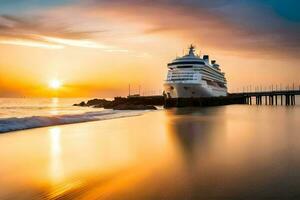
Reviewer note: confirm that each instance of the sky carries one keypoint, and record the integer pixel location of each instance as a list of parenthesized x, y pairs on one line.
[(96, 48)]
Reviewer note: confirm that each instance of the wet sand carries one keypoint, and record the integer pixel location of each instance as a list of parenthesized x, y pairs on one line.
[(227, 152)]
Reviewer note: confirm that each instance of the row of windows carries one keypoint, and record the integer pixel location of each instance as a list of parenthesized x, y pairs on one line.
[(178, 73), (217, 70), (186, 62), (213, 78), (217, 84), (182, 72), (208, 70), (213, 75), (181, 75), (182, 79), (179, 78), (193, 74)]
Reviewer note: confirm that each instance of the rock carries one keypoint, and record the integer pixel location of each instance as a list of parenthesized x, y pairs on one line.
[(80, 104), (121, 103), (109, 105), (133, 107), (97, 102)]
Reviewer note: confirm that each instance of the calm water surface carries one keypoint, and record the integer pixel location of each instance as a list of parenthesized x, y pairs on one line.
[(228, 152)]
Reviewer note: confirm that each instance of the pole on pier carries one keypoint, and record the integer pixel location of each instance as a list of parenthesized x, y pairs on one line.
[(129, 90), (140, 90), (250, 98), (293, 86), (276, 100), (293, 99), (281, 100)]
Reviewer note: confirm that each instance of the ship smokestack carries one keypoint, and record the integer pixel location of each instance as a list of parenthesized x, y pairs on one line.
[(206, 58)]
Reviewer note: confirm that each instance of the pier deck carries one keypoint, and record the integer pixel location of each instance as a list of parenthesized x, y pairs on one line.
[(284, 97), (279, 97)]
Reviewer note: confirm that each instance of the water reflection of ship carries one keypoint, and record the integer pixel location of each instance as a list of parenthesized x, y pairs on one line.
[(193, 131)]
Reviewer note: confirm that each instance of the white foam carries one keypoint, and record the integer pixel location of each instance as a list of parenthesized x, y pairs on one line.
[(14, 124)]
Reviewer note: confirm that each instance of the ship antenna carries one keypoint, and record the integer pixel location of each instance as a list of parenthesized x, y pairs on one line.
[(192, 49)]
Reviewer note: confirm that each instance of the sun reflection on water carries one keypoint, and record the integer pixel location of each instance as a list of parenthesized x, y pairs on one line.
[(54, 106), (56, 170)]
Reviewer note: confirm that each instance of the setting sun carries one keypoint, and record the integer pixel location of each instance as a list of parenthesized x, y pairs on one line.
[(55, 84)]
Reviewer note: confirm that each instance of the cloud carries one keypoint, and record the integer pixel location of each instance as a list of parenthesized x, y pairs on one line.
[(29, 43), (76, 43), (246, 26), (41, 33)]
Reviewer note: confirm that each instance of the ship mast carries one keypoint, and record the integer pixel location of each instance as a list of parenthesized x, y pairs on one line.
[(192, 50)]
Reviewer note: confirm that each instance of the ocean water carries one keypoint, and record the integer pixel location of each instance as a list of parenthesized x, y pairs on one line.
[(27, 107), (26, 113), (225, 152)]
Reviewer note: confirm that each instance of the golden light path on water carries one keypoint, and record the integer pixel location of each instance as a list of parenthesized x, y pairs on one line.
[(56, 165), (221, 152)]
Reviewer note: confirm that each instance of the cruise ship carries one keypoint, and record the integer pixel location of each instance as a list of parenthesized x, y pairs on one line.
[(191, 76)]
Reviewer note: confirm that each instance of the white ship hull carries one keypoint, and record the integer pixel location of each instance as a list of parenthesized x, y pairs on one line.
[(192, 90)]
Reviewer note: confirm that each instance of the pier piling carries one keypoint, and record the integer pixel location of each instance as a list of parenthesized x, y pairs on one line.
[(266, 100)]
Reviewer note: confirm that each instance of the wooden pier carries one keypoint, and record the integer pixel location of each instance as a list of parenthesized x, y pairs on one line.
[(286, 97), (282, 97)]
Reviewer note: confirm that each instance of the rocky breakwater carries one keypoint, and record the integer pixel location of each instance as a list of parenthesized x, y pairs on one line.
[(121, 103)]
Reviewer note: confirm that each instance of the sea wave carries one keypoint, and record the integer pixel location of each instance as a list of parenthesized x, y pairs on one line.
[(14, 123)]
